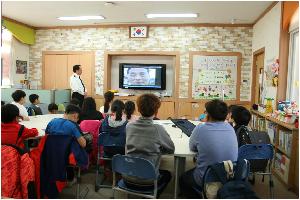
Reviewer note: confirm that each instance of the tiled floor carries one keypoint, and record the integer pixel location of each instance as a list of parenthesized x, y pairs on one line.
[(88, 184)]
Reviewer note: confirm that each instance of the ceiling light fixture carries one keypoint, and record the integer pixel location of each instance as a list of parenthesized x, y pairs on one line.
[(78, 18), (171, 15), (108, 4)]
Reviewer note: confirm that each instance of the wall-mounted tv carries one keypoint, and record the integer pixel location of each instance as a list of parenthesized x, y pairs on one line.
[(142, 76)]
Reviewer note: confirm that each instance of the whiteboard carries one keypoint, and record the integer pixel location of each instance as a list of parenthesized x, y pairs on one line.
[(212, 74)]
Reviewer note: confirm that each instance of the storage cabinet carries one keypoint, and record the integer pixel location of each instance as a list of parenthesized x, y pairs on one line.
[(58, 67), (284, 137), (190, 110), (166, 110)]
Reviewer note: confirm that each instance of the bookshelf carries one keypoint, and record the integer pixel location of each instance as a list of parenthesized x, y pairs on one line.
[(284, 137)]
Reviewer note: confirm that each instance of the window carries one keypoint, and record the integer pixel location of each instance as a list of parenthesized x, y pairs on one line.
[(6, 59), (293, 71)]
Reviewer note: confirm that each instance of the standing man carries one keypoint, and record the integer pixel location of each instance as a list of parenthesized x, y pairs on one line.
[(77, 86)]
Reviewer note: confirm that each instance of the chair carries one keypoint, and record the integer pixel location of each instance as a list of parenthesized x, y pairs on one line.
[(55, 160), (105, 140), (210, 176), (259, 152), (92, 126), (136, 167)]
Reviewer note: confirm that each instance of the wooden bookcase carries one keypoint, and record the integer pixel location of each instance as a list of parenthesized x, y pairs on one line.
[(286, 148)]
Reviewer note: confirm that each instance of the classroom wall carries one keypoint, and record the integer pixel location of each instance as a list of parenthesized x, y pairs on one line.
[(20, 51), (266, 33), (182, 39)]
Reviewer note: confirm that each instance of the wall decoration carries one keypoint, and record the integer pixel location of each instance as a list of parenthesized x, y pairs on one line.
[(21, 67), (138, 31), (214, 75)]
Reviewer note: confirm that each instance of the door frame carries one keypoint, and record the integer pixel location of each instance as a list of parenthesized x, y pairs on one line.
[(254, 70)]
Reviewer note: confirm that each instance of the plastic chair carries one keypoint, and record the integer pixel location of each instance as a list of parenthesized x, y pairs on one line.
[(259, 152), (105, 140), (92, 126), (210, 176), (136, 167)]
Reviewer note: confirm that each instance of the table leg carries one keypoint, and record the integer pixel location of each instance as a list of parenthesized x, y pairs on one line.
[(179, 167)]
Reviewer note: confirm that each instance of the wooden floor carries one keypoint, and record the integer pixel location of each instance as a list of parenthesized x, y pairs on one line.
[(88, 185)]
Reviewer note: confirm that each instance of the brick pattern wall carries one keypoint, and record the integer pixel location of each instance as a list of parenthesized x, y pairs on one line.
[(182, 39)]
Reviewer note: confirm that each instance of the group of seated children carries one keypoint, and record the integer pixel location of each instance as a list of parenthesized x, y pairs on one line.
[(214, 141)]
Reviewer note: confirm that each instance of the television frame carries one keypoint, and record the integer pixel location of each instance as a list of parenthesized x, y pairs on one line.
[(163, 76)]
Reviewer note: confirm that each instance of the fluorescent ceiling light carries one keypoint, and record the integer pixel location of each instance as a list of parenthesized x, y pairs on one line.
[(81, 18), (170, 15)]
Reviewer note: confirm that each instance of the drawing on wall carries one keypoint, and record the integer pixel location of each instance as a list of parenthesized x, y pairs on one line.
[(212, 75), (21, 67)]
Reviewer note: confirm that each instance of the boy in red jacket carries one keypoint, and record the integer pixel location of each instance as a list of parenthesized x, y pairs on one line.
[(10, 127)]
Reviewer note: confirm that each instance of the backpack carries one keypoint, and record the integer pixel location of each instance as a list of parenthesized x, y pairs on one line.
[(245, 136), (30, 111), (17, 173), (229, 181)]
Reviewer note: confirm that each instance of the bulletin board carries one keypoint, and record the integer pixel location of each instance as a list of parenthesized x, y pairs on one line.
[(214, 74)]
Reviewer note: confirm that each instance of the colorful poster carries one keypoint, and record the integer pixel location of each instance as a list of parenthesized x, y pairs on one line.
[(212, 75)]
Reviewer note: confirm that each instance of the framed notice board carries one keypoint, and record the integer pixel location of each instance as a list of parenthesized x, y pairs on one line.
[(214, 74)]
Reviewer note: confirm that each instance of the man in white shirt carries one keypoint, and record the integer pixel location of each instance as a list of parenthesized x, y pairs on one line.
[(19, 100), (77, 86)]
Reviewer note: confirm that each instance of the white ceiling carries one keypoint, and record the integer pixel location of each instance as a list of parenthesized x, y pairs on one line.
[(44, 13)]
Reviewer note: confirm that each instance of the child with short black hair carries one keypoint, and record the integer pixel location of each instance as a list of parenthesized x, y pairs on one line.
[(52, 108), (19, 100), (34, 100), (10, 127), (241, 118)]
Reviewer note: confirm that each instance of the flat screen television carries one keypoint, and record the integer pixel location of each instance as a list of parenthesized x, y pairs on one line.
[(142, 76)]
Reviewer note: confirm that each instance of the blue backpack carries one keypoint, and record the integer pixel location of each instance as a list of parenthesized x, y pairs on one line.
[(30, 111), (234, 183)]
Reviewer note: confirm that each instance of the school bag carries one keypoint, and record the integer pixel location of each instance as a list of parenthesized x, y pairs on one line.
[(229, 181), (245, 136), (17, 173), (30, 111)]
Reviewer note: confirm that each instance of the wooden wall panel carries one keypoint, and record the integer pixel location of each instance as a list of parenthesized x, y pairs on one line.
[(61, 72), (86, 62), (72, 60), (49, 72)]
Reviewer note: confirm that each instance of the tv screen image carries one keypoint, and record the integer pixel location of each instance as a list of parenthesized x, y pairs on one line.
[(142, 76)]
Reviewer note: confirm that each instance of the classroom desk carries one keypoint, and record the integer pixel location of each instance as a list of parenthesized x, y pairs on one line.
[(182, 150), (180, 140), (40, 122)]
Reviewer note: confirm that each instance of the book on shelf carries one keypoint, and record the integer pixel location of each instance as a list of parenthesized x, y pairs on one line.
[(282, 164), (271, 130), (285, 141), (258, 123)]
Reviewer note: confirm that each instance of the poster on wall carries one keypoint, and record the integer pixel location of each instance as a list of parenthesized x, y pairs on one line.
[(21, 67), (214, 76)]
